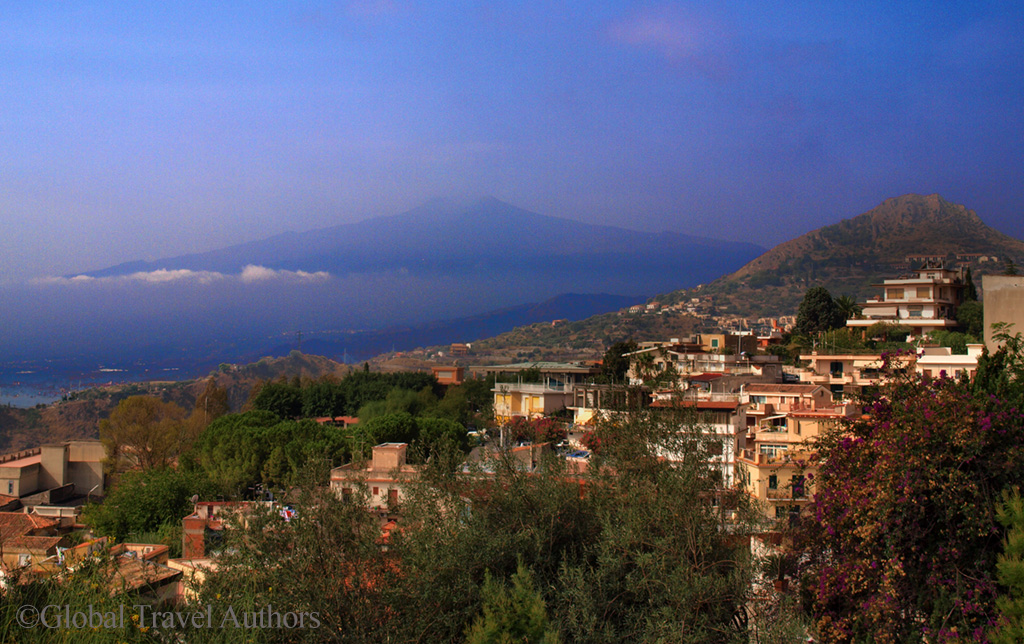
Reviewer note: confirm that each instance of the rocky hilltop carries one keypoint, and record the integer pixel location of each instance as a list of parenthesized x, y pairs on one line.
[(852, 255)]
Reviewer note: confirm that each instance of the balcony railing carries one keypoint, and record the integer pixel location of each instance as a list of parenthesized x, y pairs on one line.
[(787, 495)]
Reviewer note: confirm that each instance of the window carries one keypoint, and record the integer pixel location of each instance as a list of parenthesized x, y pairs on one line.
[(915, 310), (346, 494), (773, 482), (376, 490), (894, 294), (10, 487), (836, 369), (772, 450), (714, 343), (393, 497), (759, 400), (924, 292)]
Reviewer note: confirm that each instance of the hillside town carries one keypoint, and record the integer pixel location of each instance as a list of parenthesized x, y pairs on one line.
[(754, 414)]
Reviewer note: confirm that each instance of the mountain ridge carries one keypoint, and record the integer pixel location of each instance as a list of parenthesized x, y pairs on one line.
[(849, 258), (444, 238)]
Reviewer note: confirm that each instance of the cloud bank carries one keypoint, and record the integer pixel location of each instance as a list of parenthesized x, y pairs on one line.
[(250, 274)]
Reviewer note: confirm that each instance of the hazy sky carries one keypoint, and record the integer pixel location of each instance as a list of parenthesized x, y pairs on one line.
[(141, 130)]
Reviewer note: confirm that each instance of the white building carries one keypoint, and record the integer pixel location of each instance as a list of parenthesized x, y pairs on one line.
[(924, 301)]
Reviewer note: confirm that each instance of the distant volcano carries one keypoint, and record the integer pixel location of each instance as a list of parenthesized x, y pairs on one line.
[(482, 236)]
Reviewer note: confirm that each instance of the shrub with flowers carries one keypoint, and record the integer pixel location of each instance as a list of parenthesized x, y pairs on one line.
[(905, 513)]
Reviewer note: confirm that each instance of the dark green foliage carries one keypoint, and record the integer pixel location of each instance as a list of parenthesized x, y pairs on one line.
[(362, 387), (92, 588), (515, 614), (280, 398), (326, 562), (323, 398), (887, 332), (239, 451), (399, 427), (818, 312), (848, 307), (1011, 571), (327, 397), (1001, 374), (435, 433), (145, 501), (642, 555), (614, 366), (970, 293), (970, 316), (427, 435), (953, 339)]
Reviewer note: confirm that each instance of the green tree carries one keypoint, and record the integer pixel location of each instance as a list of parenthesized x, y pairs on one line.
[(512, 615), (848, 307), (970, 290), (970, 317), (1011, 571), (146, 501), (143, 431), (239, 451), (399, 427), (818, 312), (323, 398), (280, 398), (615, 363)]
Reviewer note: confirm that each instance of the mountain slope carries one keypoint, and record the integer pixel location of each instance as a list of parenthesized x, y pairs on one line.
[(898, 228), (850, 257), (361, 345), (482, 236)]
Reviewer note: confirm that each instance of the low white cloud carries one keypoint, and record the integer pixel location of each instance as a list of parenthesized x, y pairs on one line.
[(252, 273), (164, 275)]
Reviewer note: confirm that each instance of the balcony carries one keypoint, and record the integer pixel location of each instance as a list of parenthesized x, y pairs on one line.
[(787, 495)]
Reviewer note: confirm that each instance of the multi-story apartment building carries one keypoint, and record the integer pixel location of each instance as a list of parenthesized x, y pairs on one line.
[(923, 301), (847, 375)]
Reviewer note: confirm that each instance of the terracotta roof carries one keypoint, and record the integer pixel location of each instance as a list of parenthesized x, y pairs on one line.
[(16, 524), (132, 573), (706, 377), (30, 543), (704, 405)]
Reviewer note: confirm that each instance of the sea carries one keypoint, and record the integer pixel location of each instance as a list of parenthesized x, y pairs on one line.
[(28, 384)]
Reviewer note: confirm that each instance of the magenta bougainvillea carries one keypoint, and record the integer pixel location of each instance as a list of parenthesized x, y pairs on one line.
[(538, 430), (905, 514)]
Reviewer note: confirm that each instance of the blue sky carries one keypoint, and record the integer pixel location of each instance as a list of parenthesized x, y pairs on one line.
[(158, 129)]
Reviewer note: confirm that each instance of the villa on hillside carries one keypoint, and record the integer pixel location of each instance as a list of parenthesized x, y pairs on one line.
[(924, 301)]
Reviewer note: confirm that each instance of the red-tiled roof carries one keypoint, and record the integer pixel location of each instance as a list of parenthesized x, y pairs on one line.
[(700, 405), (706, 377), (32, 544), (16, 524)]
